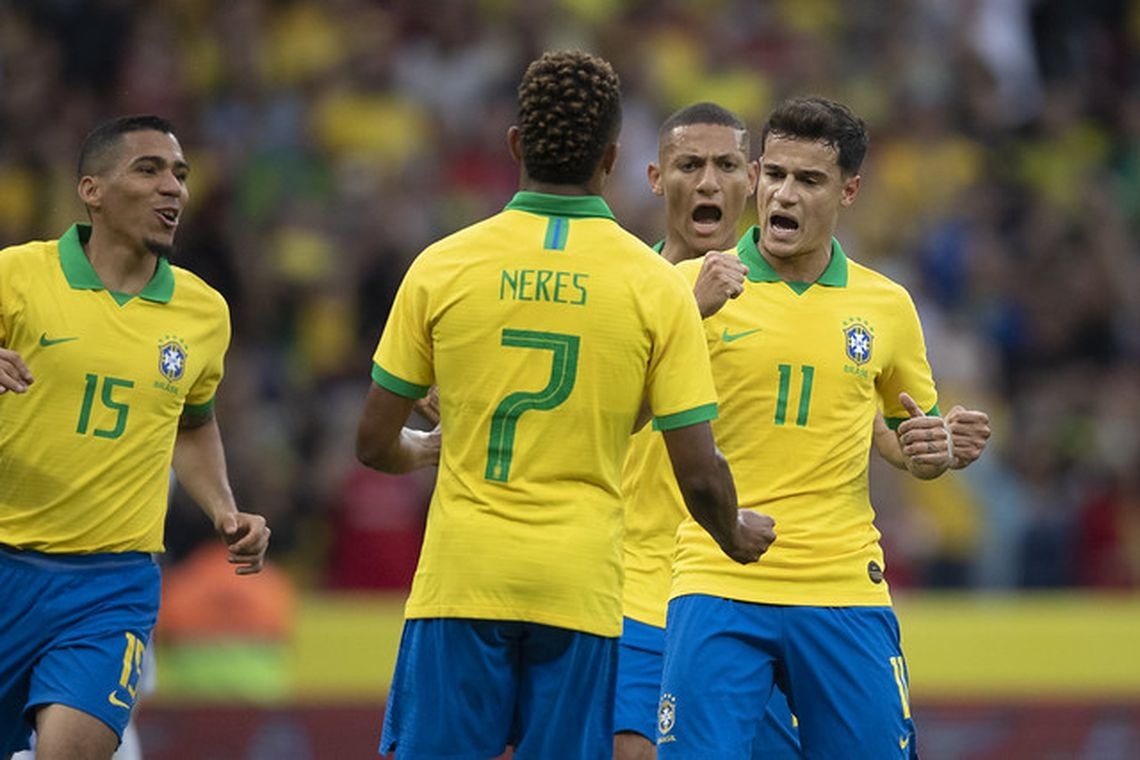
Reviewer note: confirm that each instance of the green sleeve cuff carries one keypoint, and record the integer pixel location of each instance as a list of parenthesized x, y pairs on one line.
[(198, 410), (388, 381), (706, 413), (894, 422)]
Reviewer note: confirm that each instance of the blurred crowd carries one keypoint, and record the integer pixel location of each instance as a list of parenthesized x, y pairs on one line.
[(331, 140)]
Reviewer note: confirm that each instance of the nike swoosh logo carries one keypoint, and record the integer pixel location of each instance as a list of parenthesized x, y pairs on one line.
[(728, 337), (46, 341), (113, 698), (903, 742)]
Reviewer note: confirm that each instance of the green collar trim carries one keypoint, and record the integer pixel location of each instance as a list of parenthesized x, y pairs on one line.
[(759, 270), (659, 246), (571, 206), (82, 276)]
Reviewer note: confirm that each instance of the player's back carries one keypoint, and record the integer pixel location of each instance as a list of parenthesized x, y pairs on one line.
[(548, 323)]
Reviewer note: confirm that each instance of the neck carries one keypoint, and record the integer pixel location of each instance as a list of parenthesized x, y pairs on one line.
[(121, 268), (676, 249), (553, 188), (805, 267)]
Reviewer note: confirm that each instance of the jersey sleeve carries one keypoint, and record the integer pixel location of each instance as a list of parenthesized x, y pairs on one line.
[(679, 383), (402, 362), (201, 395), (908, 369)]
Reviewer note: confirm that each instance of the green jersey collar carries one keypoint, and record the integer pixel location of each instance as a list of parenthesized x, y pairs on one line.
[(759, 270), (570, 206), (81, 275), (660, 246)]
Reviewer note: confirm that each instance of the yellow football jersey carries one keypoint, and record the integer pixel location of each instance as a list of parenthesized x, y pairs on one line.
[(800, 371), (544, 326), (654, 508), (85, 454)]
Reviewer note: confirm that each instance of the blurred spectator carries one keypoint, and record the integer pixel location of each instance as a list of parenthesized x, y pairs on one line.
[(220, 637), (331, 139)]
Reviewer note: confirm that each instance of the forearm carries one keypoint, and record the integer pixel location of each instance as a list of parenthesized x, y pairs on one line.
[(384, 443), (200, 466), (711, 500), (405, 453), (705, 481)]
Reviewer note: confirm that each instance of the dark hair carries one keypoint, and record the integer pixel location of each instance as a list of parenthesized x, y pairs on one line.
[(817, 118), (99, 145), (569, 112), (701, 113)]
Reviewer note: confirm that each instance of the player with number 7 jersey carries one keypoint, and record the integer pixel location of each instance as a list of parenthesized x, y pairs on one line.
[(544, 327)]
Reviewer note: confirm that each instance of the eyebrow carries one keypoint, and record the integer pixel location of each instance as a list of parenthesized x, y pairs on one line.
[(802, 173), (179, 164)]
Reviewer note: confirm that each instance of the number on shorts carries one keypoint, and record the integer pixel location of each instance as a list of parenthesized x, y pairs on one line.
[(899, 667)]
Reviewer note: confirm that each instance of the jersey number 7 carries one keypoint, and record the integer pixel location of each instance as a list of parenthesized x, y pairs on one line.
[(563, 373)]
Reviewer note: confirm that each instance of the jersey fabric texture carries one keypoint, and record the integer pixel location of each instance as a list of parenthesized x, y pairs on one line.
[(543, 326), (85, 454), (654, 508), (801, 371), (548, 692), (83, 622)]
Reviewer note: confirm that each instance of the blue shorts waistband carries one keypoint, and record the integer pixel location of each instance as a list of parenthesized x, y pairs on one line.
[(95, 561)]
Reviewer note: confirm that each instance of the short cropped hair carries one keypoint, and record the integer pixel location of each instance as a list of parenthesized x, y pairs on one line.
[(96, 153), (820, 119), (569, 112), (701, 113)]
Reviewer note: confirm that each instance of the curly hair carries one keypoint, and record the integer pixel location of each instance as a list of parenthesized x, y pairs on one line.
[(569, 112), (817, 118)]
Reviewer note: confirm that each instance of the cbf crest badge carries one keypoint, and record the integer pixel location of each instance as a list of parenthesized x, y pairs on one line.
[(858, 340), (666, 716), (171, 358)]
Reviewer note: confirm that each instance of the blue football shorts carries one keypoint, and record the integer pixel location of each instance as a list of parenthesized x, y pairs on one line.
[(641, 656), (465, 689), (841, 667), (73, 630)]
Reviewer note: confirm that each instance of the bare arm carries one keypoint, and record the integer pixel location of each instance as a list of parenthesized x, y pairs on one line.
[(200, 465), (886, 443), (382, 441), (710, 494)]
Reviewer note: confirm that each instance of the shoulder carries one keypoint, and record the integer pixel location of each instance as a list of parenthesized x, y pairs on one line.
[(192, 288), (30, 254), (865, 278)]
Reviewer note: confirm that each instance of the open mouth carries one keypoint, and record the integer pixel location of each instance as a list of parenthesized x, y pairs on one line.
[(706, 218), (783, 223), (169, 215)]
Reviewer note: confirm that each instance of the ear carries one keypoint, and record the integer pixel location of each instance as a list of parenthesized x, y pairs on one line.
[(90, 191), (609, 158), (850, 190), (654, 174), (514, 142), (753, 175)]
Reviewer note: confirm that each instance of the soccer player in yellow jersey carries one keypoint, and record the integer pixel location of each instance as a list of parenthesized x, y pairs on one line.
[(705, 175), (544, 327), (109, 361), (803, 359)]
